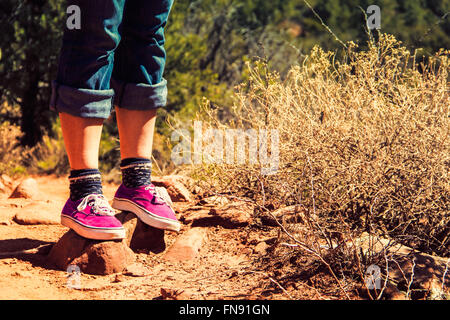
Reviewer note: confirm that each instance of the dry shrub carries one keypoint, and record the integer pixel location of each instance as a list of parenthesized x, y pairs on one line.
[(364, 143), (9, 148)]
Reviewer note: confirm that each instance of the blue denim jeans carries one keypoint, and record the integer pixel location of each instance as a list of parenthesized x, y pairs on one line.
[(115, 58)]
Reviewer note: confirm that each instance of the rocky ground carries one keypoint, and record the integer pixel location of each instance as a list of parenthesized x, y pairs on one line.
[(213, 257)]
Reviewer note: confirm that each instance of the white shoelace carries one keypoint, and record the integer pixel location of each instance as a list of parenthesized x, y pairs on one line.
[(98, 203), (163, 196)]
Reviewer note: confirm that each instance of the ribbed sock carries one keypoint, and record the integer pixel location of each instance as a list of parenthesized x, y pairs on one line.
[(84, 182), (136, 172)]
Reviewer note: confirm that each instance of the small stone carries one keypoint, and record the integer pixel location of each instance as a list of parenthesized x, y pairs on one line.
[(261, 248), (27, 189)]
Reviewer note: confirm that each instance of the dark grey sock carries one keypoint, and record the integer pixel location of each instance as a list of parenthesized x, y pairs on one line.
[(84, 182), (136, 172)]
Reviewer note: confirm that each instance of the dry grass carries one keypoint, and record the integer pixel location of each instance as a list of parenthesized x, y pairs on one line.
[(364, 146), (48, 156)]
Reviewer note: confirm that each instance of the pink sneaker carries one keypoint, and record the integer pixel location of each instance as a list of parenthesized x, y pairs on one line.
[(92, 218), (148, 205)]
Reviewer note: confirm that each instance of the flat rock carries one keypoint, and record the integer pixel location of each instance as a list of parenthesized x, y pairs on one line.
[(187, 246), (91, 256), (231, 215), (37, 214), (197, 216), (235, 214), (141, 236), (27, 189)]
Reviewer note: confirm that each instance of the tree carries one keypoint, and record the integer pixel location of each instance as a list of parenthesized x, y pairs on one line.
[(30, 42)]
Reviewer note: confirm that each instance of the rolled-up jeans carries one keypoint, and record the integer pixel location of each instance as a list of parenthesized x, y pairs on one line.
[(115, 58)]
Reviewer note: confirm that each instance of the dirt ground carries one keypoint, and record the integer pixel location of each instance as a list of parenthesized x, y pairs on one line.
[(223, 269)]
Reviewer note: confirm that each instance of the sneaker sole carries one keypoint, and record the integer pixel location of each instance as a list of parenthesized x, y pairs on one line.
[(93, 233), (146, 216)]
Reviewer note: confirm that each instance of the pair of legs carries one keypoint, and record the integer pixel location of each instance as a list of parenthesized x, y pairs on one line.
[(82, 136)]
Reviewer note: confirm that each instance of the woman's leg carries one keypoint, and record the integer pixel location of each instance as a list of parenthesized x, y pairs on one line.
[(140, 90), (81, 93), (81, 139), (83, 98), (136, 132), (137, 76)]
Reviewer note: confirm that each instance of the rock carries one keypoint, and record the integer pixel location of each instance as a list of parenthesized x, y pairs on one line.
[(196, 215), (194, 186), (175, 187), (235, 214), (232, 215), (141, 236), (91, 256), (261, 248), (187, 246), (27, 189), (104, 258), (37, 214)]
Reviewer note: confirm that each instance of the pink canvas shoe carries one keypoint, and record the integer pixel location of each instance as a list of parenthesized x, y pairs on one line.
[(92, 218), (148, 205)]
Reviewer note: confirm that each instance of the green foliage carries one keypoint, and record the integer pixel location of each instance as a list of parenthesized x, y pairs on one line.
[(281, 31)]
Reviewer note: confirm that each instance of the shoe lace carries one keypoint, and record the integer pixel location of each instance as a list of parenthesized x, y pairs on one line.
[(98, 203), (161, 196)]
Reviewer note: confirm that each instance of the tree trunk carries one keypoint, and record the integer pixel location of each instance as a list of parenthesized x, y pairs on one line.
[(29, 123)]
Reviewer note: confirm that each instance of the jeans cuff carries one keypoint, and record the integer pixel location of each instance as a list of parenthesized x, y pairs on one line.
[(139, 96), (84, 103)]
